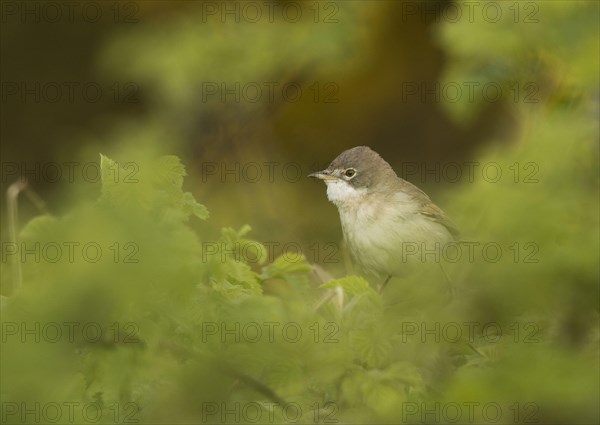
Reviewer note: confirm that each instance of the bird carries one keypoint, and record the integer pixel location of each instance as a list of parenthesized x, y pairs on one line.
[(388, 223)]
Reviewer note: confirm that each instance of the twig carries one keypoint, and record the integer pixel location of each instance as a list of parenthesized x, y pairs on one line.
[(12, 196)]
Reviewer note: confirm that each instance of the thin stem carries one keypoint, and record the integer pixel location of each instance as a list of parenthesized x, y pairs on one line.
[(12, 197)]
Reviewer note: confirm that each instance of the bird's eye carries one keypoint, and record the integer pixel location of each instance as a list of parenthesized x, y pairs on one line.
[(350, 172)]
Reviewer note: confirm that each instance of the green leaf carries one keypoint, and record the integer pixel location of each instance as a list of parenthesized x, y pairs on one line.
[(191, 206), (109, 171), (38, 226), (353, 285), (283, 267), (372, 346), (169, 171), (239, 247)]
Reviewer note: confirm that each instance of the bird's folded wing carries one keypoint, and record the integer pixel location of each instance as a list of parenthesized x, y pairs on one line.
[(435, 213), (432, 211)]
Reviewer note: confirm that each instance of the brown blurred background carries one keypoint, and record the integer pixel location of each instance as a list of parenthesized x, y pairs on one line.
[(359, 55)]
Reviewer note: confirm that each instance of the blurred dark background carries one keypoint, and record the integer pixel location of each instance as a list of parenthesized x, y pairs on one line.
[(154, 61)]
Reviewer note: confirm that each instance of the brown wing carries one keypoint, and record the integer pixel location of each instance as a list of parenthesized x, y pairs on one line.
[(436, 214), (430, 210)]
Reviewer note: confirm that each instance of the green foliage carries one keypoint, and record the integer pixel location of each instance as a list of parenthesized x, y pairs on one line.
[(163, 306), (532, 51), (209, 50)]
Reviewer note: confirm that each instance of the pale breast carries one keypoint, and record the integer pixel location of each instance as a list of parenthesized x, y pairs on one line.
[(377, 232)]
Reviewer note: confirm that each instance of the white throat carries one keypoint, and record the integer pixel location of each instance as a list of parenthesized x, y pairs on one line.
[(341, 192)]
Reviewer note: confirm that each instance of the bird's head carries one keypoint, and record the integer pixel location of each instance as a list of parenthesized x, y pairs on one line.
[(355, 174)]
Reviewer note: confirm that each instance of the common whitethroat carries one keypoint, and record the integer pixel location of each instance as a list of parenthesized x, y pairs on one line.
[(387, 222)]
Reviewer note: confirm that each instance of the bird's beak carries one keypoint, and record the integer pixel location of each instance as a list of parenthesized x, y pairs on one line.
[(323, 175)]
